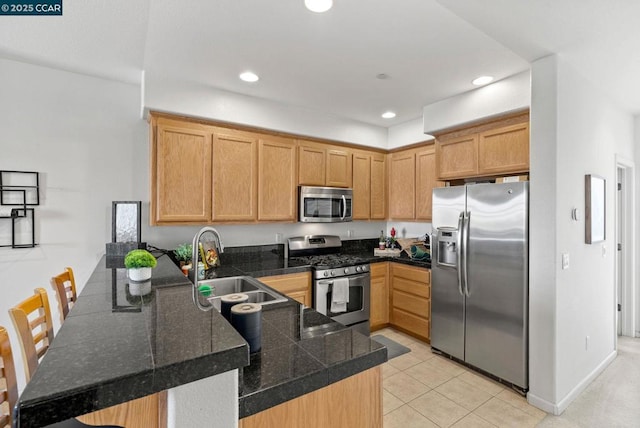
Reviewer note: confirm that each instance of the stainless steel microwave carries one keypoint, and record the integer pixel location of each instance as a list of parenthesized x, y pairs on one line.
[(325, 204)]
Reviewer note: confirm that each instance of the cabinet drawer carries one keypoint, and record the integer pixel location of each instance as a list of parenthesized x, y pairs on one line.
[(418, 326), (407, 302), (412, 287), (411, 273), (289, 283)]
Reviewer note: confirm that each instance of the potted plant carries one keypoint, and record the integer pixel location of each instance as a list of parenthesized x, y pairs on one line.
[(183, 254), (139, 264)]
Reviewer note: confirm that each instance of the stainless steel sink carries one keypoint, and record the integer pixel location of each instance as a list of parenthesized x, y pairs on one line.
[(257, 291), (233, 284)]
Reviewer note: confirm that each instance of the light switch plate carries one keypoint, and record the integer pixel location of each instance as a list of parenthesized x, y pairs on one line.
[(565, 260)]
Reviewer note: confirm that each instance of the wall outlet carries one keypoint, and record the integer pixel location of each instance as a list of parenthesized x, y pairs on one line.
[(565, 260), (604, 251), (350, 233), (278, 238), (586, 343)]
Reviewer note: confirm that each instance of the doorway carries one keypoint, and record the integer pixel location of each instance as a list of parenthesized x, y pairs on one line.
[(625, 249)]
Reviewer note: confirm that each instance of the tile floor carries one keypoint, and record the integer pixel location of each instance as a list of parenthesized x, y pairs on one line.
[(422, 389)]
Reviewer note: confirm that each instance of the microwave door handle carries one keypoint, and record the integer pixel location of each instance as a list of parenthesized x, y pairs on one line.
[(344, 207)]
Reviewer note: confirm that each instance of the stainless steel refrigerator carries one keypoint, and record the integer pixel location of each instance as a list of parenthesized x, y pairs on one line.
[(479, 296)]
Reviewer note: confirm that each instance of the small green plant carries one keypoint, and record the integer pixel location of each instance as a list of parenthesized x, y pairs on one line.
[(183, 252), (139, 259)]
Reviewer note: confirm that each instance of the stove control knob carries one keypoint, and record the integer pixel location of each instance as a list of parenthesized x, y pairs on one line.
[(333, 273), (326, 273), (358, 268), (346, 271)]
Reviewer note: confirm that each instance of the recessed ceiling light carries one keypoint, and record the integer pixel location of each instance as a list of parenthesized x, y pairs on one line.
[(383, 76), (249, 76), (388, 115), (318, 6), (482, 80)]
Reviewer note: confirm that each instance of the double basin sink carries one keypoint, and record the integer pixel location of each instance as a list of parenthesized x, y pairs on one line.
[(254, 289)]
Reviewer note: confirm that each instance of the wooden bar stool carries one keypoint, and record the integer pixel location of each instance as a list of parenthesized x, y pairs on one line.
[(35, 333), (8, 395), (32, 320), (65, 286)]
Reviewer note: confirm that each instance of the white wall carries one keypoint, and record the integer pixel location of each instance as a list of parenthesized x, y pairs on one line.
[(542, 232), (79, 133), (211, 103), (510, 94), (637, 237), (589, 131), (407, 133)]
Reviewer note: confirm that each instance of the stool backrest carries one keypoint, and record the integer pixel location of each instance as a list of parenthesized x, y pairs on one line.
[(32, 320), (65, 286), (8, 385)]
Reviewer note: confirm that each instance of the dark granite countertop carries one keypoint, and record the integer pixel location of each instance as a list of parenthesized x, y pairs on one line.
[(117, 345)]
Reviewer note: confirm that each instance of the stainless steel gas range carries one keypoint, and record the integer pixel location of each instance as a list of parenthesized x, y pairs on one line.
[(341, 282)]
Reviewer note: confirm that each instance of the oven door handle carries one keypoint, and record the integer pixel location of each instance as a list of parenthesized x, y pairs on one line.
[(344, 207)]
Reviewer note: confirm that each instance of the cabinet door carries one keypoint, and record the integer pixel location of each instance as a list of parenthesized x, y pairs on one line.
[(504, 149), (378, 186), (235, 170), (361, 186), (457, 157), (180, 173), (425, 182), (296, 286), (379, 295), (402, 188), (277, 179), (338, 168), (311, 164)]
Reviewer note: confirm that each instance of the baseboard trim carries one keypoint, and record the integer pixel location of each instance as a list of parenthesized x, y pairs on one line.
[(562, 405)]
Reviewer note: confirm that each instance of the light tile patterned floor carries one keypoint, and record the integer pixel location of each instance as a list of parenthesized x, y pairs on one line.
[(422, 389)]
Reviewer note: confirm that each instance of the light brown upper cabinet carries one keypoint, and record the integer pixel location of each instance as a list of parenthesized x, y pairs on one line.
[(457, 157), (425, 181), (412, 177), (503, 150), (276, 179), (204, 174), (402, 185), (498, 147), (235, 172), (180, 172), (369, 190), (323, 165)]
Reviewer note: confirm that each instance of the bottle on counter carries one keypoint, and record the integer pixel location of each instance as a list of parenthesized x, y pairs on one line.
[(382, 242)]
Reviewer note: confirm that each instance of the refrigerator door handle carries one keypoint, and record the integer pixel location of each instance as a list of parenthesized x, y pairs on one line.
[(460, 253), (465, 246)]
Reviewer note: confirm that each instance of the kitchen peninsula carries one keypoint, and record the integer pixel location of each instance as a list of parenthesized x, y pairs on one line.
[(120, 343)]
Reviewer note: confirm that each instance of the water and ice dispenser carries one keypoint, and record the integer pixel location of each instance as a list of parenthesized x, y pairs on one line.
[(447, 251)]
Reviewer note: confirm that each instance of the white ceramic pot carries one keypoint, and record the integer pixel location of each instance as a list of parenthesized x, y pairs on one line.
[(140, 288), (139, 274)]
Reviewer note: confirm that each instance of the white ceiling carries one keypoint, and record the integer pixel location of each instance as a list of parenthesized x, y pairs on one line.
[(328, 62)]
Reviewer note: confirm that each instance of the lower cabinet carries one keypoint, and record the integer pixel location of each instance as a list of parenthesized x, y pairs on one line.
[(149, 411), (410, 299), (352, 402), (379, 317), (295, 285)]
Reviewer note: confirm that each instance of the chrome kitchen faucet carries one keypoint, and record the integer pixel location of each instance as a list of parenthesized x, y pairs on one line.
[(194, 258)]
